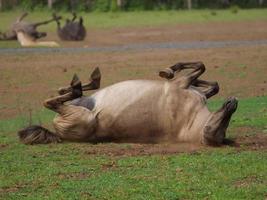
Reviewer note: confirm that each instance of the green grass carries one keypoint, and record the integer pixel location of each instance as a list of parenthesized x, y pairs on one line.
[(251, 112), (142, 18), (99, 20), (63, 172), (68, 171)]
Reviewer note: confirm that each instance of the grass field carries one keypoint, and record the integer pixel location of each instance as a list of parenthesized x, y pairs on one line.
[(143, 18), (138, 171)]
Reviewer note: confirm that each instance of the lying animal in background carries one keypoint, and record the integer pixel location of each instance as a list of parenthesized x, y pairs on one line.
[(26, 40), (143, 111), (28, 28), (72, 30)]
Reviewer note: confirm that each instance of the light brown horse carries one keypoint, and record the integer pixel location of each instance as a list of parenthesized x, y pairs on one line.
[(144, 111)]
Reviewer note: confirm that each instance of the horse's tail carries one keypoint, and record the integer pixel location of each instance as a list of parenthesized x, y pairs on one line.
[(37, 135)]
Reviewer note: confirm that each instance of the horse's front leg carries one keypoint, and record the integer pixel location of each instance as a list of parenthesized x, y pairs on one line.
[(57, 102), (215, 128)]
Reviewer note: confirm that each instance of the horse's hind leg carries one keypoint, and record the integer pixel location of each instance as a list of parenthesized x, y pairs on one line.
[(215, 128), (169, 72), (93, 84), (190, 77), (56, 102), (208, 88)]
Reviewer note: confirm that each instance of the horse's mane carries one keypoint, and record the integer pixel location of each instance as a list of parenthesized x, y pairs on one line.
[(37, 135)]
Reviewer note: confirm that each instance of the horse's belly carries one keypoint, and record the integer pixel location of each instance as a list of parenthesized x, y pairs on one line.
[(131, 115), (133, 124)]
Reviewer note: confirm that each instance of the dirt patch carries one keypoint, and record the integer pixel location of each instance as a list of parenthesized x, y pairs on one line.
[(254, 142), (3, 146), (246, 182), (127, 150), (4, 190), (109, 166), (25, 86), (241, 143), (213, 31)]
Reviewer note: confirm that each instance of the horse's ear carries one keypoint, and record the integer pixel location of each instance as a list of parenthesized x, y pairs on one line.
[(96, 75)]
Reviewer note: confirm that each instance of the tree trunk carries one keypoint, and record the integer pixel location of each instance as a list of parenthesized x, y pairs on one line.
[(119, 3), (189, 4), (50, 4), (261, 2), (1, 5), (73, 4)]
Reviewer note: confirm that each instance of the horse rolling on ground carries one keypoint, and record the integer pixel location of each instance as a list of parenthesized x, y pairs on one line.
[(144, 111), (72, 30), (26, 27)]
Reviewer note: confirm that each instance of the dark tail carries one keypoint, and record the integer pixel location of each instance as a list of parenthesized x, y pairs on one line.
[(37, 135)]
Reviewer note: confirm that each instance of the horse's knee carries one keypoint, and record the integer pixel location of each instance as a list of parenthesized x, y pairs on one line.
[(200, 66), (216, 87), (47, 104), (52, 105)]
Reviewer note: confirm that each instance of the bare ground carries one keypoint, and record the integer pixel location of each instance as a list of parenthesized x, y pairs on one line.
[(257, 142), (26, 80), (214, 31)]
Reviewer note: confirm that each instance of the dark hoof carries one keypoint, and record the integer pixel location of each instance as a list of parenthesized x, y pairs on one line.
[(96, 75), (166, 73), (231, 104), (75, 80), (76, 86)]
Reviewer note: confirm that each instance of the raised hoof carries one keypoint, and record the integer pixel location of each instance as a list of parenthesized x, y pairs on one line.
[(75, 80), (166, 73), (96, 75), (230, 105), (76, 86)]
